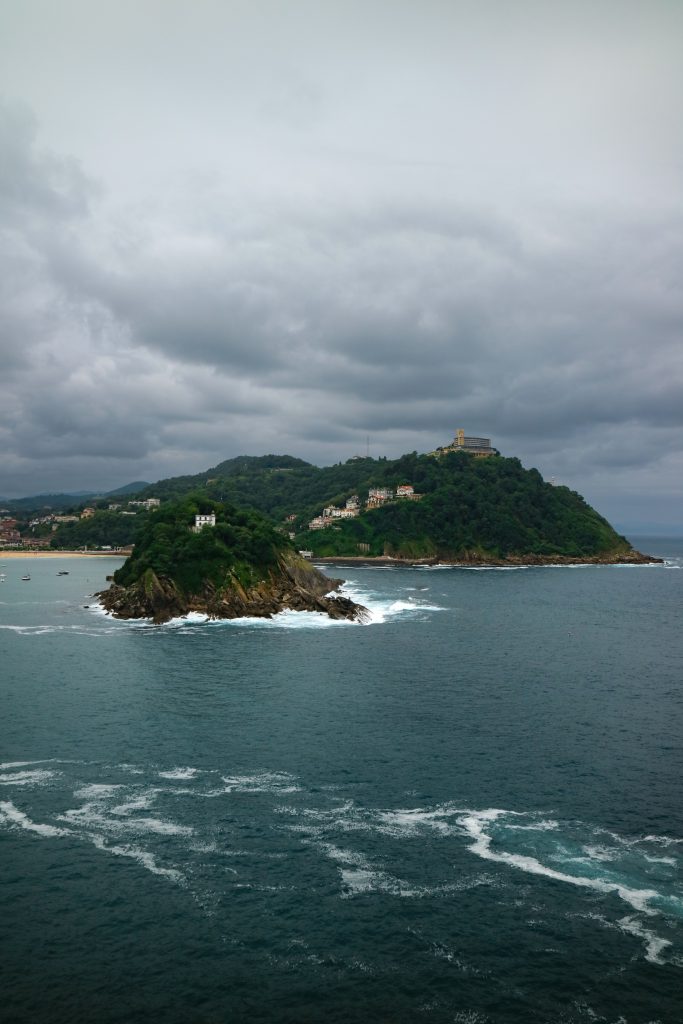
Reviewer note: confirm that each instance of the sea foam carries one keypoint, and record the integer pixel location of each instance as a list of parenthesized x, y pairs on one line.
[(16, 818), (34, 777), (474, 824)]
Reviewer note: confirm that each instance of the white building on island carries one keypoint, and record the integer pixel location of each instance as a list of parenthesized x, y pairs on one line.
[(200, 521)]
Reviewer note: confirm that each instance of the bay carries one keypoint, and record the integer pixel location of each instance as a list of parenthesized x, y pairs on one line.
[(468, 810)]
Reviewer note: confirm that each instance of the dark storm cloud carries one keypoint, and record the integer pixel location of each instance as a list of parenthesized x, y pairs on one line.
[(242, 329), (532, 336), (389, 225)]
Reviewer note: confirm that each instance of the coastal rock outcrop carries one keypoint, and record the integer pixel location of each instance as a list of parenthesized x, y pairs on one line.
[(293, 584)]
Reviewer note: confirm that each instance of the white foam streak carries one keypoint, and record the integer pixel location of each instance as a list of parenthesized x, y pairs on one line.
[(179, 773), (35, 777), (141, 802), (142, 857), (91, 815), (98, 791), (474, 824), (409, 822), (661, 860), (12, 816), (262, 782), (358, 876), (23, 764), (653, 943)]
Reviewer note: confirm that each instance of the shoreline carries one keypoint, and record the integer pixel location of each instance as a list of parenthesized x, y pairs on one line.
[(530, 561), (63, 554)]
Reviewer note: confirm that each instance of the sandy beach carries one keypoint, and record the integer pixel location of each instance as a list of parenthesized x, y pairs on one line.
[(63, 554)]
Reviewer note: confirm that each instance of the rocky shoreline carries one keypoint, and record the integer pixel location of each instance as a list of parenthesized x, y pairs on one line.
[(472, 562), (296, 585)]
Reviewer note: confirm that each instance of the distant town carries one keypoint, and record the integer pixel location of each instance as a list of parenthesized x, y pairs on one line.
[(42, 527)]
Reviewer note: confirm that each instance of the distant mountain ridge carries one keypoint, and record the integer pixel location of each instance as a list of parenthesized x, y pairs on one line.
[(134, 488), (69, 498)]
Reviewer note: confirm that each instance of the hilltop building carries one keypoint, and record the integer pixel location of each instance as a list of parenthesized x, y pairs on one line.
[(480, 447)]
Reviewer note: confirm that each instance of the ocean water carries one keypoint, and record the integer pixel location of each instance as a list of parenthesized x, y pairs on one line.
[(468, 810)]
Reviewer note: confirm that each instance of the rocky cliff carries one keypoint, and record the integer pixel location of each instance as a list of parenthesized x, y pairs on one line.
[(293, 584)]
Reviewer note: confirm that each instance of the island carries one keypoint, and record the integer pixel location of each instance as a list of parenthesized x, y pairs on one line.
[(460, 504), (220, 561)]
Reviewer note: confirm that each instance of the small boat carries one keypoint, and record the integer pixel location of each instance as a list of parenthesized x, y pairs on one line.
[(26, 577), (63, 572)]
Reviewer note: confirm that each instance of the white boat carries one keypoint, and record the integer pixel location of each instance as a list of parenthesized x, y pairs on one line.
[(26, 577)]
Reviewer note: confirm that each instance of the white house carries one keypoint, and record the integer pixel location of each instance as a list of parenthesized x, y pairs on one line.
[(200, 521), (378, 495)]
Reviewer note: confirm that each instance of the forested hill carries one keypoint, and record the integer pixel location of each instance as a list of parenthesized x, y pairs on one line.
[(242, 543), (238, 565), (473, 508), (233, 478)]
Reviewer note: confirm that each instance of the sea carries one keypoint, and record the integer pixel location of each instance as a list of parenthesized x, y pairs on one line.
[(468, 809)]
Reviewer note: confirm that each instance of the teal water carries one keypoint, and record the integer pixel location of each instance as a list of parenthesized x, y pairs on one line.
[(469, 810)]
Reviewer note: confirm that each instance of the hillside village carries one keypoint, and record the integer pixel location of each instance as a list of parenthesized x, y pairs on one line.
[(376, 496), (479, 447), (38, 532)]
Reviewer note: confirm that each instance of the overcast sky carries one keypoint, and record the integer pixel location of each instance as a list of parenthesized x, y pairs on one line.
[(248, 227)]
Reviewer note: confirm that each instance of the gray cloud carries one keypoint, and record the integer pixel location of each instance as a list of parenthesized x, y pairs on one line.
[(349, 260)]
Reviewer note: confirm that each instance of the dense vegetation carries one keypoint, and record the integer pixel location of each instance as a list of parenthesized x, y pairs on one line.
[(469, 508), (491, 506), (104, 529), (475, 507), (242, 544), (277, 485)]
